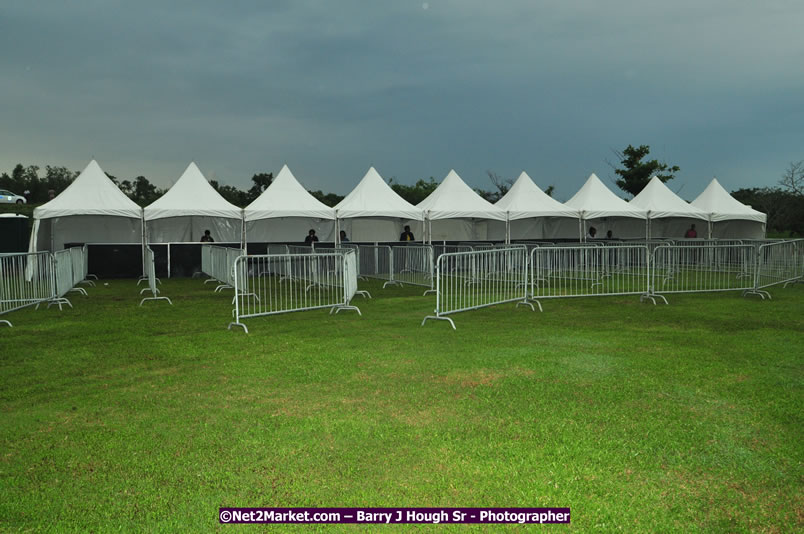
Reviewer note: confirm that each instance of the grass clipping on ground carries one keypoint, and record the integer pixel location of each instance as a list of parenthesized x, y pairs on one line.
[(637, 417)]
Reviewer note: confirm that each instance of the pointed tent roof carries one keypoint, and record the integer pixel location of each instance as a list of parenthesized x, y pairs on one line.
[(657, 199), (453, 199), (525, 200), (594, 200), (91, 193), (191, 195), (721, 206), (372, 197), (286, 197)]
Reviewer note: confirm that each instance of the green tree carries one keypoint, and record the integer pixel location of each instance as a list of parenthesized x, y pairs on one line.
[(330, 199), (261, 182), (230, 193), (636, 173), (414, 193), (785, 210)]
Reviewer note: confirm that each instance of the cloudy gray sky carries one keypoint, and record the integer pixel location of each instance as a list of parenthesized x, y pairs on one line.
[(414, 88)]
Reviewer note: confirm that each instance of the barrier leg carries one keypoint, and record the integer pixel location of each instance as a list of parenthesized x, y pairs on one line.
[(238, 324), (6, 322), (758, 292), (156, 298), (437, 318)]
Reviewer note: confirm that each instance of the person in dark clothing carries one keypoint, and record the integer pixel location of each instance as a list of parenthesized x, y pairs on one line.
[(344, 239), (407, 235), (311, 237), (691, 233), (207, 238)]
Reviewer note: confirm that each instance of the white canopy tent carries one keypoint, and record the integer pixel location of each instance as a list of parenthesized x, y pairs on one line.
[(668, 214), (189, 208), (532, 214), (374, 212), (604, 210), (459, 213), (286, 212), (91, 210), (729, 217)]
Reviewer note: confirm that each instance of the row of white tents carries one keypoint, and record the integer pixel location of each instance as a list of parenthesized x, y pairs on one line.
[(94, 210)]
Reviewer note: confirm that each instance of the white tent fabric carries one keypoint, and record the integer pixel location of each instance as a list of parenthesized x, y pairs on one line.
[(285, 212), (459, 213), (730, 217), (189, 208), (532, 213), (373, 211), (668, 214), (91, 210), (606, 211)]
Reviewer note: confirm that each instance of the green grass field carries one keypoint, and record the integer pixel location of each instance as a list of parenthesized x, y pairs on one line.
[(685, 417)]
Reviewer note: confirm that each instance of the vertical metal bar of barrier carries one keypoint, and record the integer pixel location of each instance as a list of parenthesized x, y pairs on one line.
[(150, 273)]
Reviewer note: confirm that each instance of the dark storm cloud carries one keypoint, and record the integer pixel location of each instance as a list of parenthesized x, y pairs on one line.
[(413, 88)]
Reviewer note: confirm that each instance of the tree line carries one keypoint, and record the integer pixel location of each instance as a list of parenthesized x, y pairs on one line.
[(783, 204), (39, 187)]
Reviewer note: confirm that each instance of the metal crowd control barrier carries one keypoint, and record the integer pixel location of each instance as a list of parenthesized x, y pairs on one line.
[(218, 263), (472, 280), (703, 268), (412, 264), (779, 263), (80, 260), (316, 280), (150, 273), (562, 272), (63, 277), (25, 280), (375, 261)]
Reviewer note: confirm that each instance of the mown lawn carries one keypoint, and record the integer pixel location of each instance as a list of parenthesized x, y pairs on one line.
[(685, 417)]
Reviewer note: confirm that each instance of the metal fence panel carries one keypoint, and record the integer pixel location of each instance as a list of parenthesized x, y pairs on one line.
[(779, 263), (413, 264), (561, 272), (703, 268), (307, 281), (150, 273), (25, 280), (472, 280)]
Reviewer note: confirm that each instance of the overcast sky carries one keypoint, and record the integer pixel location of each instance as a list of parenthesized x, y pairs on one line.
[(413, 88)]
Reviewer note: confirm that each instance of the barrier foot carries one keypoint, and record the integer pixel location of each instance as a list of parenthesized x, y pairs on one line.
[(796, 281), (93, 276), (652, 298), (208, 280), (237, 324), (141, 279), (156, 298), (6, 322), (437, 318), (759, 292), (539, 304), (143, 290), (525, 303), (391, 282), (80, 290), (222, 286), (429, 291), (363, 293), (338, 308), (59, 301), (88, 282)]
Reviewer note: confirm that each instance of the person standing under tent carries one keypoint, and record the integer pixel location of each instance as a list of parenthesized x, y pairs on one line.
[(311, 237), (344, 239), (691, 233), (592, 232), (207, 237), (407, 235)]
